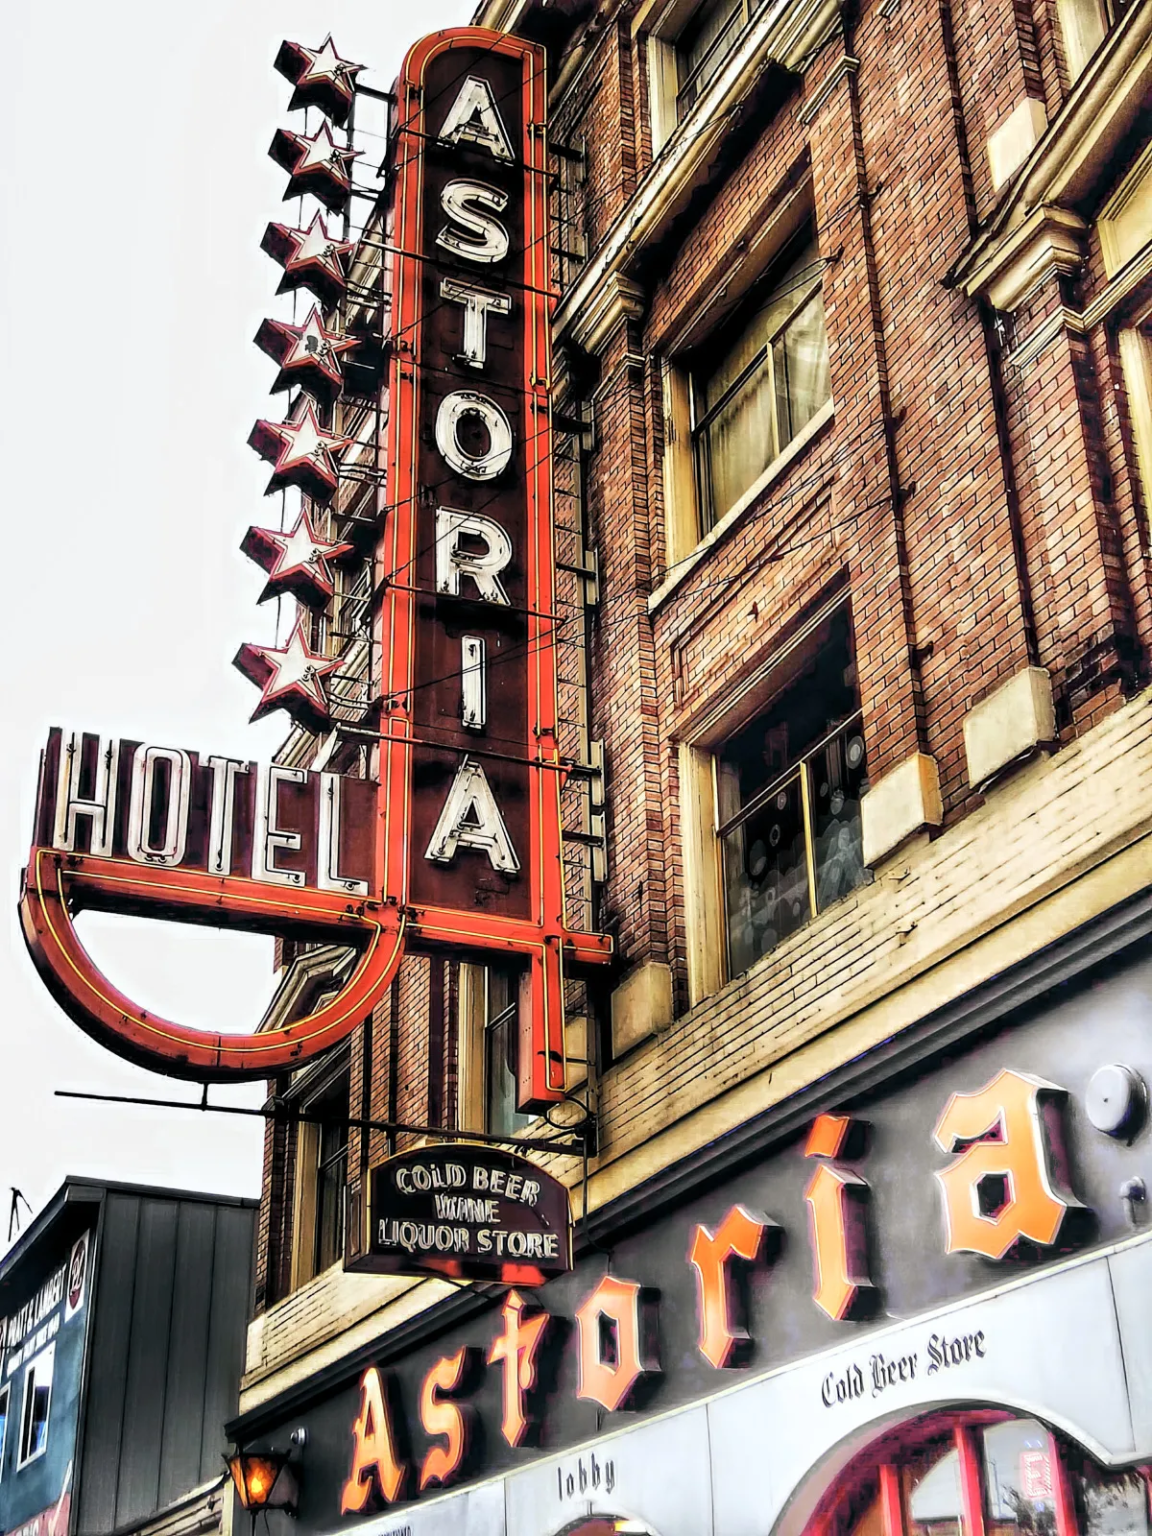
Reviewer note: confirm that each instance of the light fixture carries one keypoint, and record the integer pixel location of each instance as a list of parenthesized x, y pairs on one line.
[(264, 1480)]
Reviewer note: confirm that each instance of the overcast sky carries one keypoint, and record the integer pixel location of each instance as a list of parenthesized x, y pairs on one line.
[(135, 186)]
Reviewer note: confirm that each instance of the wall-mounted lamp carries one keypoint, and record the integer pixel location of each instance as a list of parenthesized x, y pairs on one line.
[(264, 1480)]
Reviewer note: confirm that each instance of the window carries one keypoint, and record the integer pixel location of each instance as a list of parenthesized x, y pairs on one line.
[(1083, 24), (788, 789), (5, 1396), (321, 1181), (707, 40), (981, 1473), (36, 1404), (501, 1042), (761, 383), (331, 1179), (1136, 361)]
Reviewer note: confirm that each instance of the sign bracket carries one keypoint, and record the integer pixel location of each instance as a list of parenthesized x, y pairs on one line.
[(285, 1111)]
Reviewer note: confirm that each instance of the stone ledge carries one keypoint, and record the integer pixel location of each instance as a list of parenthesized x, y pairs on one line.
[(1009, 724), (902, 803)]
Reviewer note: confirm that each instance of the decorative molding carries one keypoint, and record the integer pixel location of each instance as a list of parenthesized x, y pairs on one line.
[(1126, 281), (1038, 340), (1049, 241), (611, 306), (1008, 725), (846, 65), (905, 801)]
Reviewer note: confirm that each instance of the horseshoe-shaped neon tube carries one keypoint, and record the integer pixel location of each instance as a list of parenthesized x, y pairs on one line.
[(57, 885)]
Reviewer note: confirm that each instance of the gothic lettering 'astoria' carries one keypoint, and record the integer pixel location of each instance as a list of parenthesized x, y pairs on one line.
[(453, 841)]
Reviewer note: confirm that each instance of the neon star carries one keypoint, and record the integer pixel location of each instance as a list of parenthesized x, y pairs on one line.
[(308, 354), (301, 453), (296, 562), (321, 77), (318, 165), (289, 677), (311, 258)]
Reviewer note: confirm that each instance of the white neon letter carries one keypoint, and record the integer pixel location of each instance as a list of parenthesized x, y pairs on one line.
[(478, 305), (475, 117), (174, 842), (452, 562), (328, 876), (485, 240), (223, 815), (268, 838), (473, 466), (472, 819), (473, 676), (101, 809)]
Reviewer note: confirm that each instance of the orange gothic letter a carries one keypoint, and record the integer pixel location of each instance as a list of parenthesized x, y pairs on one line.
[(1005, 1184), (374, 1463)]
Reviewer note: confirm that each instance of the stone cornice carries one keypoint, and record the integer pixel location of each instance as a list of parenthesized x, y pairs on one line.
[(616, 301), (1049, 240), (1064, 168), (786, 34), (845, 65)]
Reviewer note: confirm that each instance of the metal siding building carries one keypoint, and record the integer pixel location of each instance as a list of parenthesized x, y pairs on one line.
[(169, 1287)]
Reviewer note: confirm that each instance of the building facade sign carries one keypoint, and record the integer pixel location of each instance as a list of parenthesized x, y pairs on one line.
[(454, 844), (832, 1276)]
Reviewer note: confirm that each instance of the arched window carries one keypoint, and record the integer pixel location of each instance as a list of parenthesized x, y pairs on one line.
[(981, 1473)]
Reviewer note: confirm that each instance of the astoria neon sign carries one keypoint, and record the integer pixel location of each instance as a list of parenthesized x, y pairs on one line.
[(454, 842)]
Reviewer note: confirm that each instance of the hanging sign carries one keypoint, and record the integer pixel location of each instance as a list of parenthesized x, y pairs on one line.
[(470, 1212), (453, 843)]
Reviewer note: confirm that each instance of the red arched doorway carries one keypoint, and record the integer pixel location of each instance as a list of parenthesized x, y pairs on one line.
[(981, 1473)]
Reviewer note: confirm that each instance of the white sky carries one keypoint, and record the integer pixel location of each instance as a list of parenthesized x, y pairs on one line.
[(134, 190)]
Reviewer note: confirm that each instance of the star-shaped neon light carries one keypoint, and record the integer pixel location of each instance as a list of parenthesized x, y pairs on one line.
[(311, 259), (321, 77), (318, 165), (289, 677), (308, 354), (296, 562), (301, 453)]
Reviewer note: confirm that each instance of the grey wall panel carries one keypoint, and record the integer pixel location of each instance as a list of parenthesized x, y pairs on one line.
[(111, 1298), (188, 1351), (231, 1304), (147, 1371)]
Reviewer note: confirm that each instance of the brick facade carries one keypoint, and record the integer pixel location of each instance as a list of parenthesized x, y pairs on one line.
[(973, 489)]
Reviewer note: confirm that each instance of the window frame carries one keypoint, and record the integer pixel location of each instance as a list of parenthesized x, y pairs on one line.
[(667, 83), (5, 1414), (685, 533), (1077, 57), (704, 895), (304, 1266), (762, 294), (27, 1402)]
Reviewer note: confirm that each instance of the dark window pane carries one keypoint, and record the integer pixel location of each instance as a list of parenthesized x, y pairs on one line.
[(766, 875), (501, 1039), (704, 45), (838, 780), (331, 1177)]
